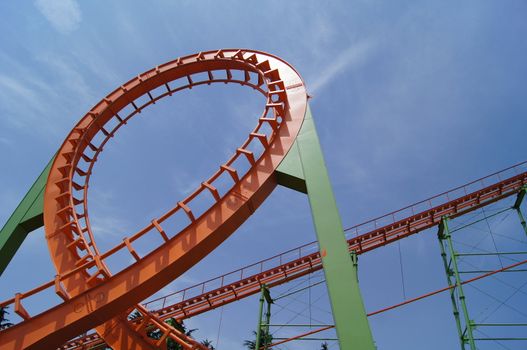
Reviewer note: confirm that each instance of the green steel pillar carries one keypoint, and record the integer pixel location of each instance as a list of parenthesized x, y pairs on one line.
[(259, 326), (264, 296), (451, 268), (449, 274), (267, 318), (517, 206), (27, 217), (304, 170)]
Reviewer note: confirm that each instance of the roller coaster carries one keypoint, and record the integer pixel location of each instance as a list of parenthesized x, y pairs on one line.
[(282, 149)]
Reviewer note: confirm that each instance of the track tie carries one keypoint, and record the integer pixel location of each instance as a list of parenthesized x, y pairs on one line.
[(64, 169), (79, 242), (239, 55), (79, 131), (65, 213), (277, 83), (93, 147), (135, 107), (252, 59), (160, 230), (264, 66), (278, 107), (168, 89), (64, 180), (68, 156), (231, 171), (261, 137), (105, 132), (62, 195), (219, 54), (272, 74), (73, 142), (248, 154), (272, 121), (281, 94), (65, 210), (76, 186), (121, 120), (131, 249), (213, 190), (81, 172), (86, 158), (100, 271), (84, 259), (69, 224), (260, 80), (92, 115), (151, 98), (200, 56), (19, 309), (187, 210)]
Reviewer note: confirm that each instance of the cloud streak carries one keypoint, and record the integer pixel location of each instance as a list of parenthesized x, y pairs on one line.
[(352, 57), (64, 15)]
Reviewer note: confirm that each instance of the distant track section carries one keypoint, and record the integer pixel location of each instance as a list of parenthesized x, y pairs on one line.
[(305, 259)]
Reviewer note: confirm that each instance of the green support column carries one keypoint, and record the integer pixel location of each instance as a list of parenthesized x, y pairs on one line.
[(27, 217), (517, 206), (265, 295), (304, 170), (259, 326), (449, 274), (451, 268)]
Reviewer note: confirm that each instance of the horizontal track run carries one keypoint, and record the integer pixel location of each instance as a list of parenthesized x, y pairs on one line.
[(303, 260)]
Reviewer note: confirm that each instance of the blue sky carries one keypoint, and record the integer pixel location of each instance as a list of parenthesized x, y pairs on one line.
[(410, 99)]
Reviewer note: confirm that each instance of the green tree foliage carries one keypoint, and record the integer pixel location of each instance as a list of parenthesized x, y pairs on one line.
[(208, 344), (4, 322), (171, 344), (265, 339)]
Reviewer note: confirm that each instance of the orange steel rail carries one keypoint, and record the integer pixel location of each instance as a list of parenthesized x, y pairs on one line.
[(305, 259), (92, 296)]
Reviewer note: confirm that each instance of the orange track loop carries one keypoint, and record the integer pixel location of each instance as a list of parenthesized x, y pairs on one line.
[(94, 298), (453, 203)]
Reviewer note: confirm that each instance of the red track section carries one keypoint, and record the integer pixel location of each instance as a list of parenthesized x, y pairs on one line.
[(298, 262), (92, 295)]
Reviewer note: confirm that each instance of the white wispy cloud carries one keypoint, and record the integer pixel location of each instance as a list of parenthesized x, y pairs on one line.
[(105, 223), (64, 15), (5, 141), (20, 102), (352, 57), (27, 95), (69, 75)]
